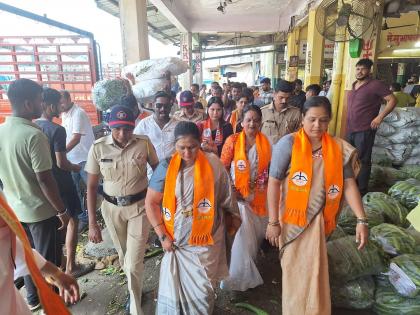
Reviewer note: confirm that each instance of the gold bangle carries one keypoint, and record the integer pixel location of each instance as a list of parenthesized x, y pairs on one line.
[(274, 223)]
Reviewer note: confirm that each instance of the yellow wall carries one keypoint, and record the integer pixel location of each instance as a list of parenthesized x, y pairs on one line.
[(303, 34), (393, 43)]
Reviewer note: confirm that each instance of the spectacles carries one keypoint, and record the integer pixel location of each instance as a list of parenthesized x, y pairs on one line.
[(160, 105)]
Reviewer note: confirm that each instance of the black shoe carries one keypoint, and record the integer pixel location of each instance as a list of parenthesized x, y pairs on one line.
[(19, 283)]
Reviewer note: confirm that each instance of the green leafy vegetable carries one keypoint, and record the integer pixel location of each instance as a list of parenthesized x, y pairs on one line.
[(347, 263), (404, 274), (358, 294), (389, 302), (251, 308), (107, 93), (392, 211), (347, 220), (406, 192), (393, 239)]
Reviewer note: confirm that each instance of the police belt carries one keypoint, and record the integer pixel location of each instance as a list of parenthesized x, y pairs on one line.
[(123, 201)]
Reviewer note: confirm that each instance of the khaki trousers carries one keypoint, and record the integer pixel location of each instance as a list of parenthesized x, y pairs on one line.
[(129, 229)]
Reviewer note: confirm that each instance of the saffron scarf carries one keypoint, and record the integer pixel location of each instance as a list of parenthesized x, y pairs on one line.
[(234, 120), (243, 171), (51, 302), (300, 178), (203, 204), (206, 135)]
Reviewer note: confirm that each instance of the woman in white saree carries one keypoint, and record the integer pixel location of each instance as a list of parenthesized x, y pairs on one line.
[(247, 156)]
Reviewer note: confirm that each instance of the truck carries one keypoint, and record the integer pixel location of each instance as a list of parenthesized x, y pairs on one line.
[(62, 62)]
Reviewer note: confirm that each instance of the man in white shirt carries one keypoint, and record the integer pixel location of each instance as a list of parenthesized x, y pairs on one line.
[(266, 93), (78, 142), (159, 127), (215, 90), (325, 87)]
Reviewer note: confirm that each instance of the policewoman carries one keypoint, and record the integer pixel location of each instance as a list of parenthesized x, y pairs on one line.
[(120, 159)]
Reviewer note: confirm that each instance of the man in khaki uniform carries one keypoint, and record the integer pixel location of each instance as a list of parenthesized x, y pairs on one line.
[(121, 159), (279, 118), (187, 111)]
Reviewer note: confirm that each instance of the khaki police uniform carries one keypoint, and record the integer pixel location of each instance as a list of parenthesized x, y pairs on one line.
[(278, 124), (198, 115), (124, 173)]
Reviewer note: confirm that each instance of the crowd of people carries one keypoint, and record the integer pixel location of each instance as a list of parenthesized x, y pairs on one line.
[(212, 175)]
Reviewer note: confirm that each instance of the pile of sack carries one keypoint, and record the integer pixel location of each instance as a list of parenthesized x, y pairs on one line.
[(385, 275), (150, 77), (397, 139)]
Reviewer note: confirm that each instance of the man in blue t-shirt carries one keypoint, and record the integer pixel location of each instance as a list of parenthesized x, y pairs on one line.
[(62, 167)]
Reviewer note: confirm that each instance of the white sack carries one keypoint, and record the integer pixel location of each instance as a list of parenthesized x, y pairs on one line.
[(148, 88), (155, 68), (385, 129)]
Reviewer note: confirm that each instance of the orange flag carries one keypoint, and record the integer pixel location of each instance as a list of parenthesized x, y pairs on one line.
[(51, 302)]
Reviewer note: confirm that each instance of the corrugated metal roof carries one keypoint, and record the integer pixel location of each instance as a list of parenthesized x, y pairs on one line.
[(159, 26)]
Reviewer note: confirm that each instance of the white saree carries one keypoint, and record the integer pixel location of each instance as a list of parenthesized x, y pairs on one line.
[(243, 272), (189, 274)]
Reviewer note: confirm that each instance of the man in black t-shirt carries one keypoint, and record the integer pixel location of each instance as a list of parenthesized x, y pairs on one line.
[(62, 167), (298, 97)]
